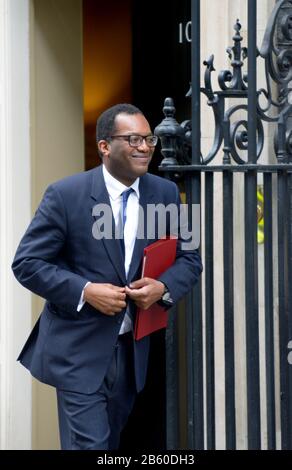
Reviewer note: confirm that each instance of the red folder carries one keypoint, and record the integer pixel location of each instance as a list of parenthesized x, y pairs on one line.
[(158, 257)]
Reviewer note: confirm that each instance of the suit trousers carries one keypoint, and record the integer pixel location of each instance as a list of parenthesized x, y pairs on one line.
[(95, 421)]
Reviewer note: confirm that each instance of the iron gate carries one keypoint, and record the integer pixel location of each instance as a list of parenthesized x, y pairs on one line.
[(240, 141)]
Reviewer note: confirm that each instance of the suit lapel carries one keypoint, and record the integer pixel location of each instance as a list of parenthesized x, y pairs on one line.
[(112, 246)]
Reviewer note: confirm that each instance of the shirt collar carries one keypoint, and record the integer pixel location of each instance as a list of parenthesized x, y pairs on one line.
[(115, 187)]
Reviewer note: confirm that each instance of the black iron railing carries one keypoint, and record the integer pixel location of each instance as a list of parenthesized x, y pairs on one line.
[(241, 142)]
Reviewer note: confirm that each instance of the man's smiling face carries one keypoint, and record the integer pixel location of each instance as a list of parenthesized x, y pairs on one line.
[(126, 163)]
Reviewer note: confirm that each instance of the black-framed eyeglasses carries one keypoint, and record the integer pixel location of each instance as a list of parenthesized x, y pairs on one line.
[(137, 140)]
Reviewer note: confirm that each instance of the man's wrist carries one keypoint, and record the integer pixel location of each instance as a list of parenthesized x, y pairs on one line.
[(85, 291), (82, 299), (165, 300)]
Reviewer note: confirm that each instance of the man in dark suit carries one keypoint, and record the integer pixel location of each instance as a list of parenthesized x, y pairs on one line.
[(83, 342)]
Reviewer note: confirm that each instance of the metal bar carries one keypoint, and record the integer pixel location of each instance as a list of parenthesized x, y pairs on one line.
[(252, 81), (269, 311), (285, 302), (229, 310), (172, 373), (196, 82), (209, 289), (251, 304), (190, 372), (196, 437), (289, 313), (195, 348), (234, 168), (283, 306)]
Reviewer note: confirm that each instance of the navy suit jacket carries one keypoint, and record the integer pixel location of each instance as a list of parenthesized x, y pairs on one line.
[(58, 254)]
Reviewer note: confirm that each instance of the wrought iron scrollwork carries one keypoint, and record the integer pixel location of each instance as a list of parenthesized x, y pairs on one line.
[(236, 137), (274, 99), (278, 63), (236, 55)]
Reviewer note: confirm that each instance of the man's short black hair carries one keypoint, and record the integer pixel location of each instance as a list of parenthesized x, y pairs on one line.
[(105, 124)]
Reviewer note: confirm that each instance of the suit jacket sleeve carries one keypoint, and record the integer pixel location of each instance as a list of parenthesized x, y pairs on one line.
[(186, 270), (37, 262)]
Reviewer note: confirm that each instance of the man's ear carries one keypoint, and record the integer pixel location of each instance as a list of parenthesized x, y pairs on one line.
[(104, 147)]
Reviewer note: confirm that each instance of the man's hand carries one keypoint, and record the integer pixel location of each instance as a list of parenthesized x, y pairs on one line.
[(106, 298), (145, 292)]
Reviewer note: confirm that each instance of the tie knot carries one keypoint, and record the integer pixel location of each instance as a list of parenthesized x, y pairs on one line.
[(126, 194)]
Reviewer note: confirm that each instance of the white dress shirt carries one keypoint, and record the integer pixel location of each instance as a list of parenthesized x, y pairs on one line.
[(115, 189)]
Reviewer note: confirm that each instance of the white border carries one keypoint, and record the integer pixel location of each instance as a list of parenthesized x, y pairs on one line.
[(15, 213)]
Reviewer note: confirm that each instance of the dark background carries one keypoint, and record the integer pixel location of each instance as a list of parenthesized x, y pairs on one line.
[(161, 66), (160, 69)]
